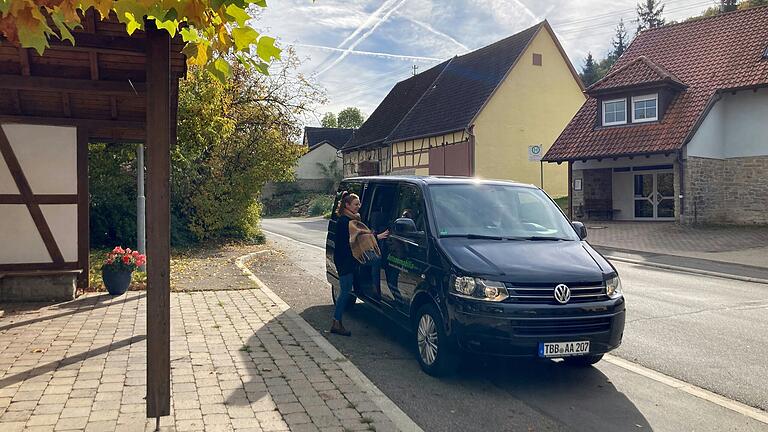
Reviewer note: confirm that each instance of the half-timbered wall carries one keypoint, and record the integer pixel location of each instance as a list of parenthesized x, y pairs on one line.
[(353, 159), (412, 156), (39, 197)]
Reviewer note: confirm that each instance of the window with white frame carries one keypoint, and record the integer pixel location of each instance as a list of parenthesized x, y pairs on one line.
[(614, 112), (645, 108)]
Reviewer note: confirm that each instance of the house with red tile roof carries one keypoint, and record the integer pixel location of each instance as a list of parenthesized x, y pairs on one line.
[(678, 128)]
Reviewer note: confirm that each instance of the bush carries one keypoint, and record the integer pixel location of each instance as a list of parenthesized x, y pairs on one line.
[(320, 205)]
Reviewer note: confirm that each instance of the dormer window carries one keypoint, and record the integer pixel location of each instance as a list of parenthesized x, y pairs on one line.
[(645, 108), (614, 112)]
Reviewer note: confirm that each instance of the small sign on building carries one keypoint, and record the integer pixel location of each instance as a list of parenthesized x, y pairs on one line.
[(534, 153)]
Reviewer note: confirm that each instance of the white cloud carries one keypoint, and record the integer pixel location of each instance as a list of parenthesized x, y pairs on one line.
[(379, 40)]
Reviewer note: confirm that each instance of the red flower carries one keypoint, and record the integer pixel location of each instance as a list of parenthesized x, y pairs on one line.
[(135, 254), (126, 259), (128, 250), (118, 250)]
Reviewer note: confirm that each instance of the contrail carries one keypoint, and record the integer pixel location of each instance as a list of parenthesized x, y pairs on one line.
[(369, 53), (361, 38), (527, 10), (372, 19), (435, 31)]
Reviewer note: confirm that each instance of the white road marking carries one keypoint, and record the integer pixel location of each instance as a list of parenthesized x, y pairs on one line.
[(722, 401)]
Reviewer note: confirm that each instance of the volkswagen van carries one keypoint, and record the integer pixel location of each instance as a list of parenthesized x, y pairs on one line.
[(491, 267)]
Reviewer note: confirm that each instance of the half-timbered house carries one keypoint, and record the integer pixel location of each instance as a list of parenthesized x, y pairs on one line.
[(478, 114)]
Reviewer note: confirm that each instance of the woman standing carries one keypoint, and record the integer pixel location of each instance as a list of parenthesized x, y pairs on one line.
[(347, 211)]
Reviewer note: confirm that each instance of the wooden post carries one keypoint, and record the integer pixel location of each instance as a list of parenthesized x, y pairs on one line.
[(158, 215), (570, 190), (83, 213)]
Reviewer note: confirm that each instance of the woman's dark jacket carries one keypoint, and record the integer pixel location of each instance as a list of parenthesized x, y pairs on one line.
[(342, 253)]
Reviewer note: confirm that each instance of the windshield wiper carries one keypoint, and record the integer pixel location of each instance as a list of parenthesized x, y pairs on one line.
[(538, 238), (474, 236)]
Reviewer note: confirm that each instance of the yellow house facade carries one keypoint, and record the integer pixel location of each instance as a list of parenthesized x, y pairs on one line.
[(479, 118)]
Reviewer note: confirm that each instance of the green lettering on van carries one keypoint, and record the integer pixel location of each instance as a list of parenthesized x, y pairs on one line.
[(401, 262)]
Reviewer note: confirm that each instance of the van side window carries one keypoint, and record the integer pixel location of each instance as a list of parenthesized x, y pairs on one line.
[(383, 206), (354, 187), (410, 204)]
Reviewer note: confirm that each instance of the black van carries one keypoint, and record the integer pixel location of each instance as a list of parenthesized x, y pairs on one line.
[(491, 267)]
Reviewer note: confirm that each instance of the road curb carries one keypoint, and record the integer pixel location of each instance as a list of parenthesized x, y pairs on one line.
[(687, 269), (395, 414)]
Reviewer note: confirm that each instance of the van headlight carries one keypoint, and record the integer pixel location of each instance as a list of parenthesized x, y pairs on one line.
[(479, 289), (613, 287)]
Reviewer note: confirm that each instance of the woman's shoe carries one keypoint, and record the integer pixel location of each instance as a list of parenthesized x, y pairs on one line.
[(338, 328)]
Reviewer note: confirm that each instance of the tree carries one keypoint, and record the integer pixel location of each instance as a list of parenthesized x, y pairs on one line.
[(728, 5), (332, 173), (329, 120), (619, 41), (232, 138), (212, 30), (746, 4), (589, 71), (649, 15), (350, 117)]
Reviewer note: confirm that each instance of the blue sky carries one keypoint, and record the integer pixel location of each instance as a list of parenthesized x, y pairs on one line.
[(358, 49)]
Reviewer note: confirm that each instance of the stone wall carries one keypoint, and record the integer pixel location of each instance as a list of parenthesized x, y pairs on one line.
[(595, 199), (32, 288), (726, 190)]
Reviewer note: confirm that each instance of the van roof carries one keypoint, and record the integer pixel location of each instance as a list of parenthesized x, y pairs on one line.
[(430, 180)]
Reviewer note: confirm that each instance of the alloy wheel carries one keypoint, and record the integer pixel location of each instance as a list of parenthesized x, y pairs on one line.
[(427, 339)]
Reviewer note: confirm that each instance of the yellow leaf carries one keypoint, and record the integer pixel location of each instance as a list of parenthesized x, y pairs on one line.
[(244, 37)]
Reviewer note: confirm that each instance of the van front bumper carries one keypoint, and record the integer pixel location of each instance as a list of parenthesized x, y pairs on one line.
[(516, 330)]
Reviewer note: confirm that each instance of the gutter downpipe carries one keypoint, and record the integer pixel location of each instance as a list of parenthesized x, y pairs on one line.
[(681, 195)]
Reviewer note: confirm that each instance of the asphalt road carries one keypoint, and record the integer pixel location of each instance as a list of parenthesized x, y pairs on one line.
[(708, 332)]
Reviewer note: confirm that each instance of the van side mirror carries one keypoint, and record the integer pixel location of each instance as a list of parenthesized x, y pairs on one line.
[(405, 226), (580, 229)]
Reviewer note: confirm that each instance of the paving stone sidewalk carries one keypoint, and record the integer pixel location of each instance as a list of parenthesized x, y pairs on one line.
[(238, 363), (746, 245)]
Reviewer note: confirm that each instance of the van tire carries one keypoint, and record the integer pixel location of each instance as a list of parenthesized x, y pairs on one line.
[(350, 304), (442, 350), (583, 361)]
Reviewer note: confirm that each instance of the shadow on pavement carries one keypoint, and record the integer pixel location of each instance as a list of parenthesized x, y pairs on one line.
[(527, 394)]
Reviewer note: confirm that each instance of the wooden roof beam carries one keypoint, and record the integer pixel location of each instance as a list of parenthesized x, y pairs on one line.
[(18, 82), (73, 121)]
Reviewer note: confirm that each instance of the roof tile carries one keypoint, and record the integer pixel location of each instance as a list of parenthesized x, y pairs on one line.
[(709, 54)]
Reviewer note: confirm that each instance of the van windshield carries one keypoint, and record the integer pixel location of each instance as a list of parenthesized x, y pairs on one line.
[(502, 212)]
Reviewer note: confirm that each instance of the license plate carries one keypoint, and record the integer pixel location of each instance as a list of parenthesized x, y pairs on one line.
[(563, 349)]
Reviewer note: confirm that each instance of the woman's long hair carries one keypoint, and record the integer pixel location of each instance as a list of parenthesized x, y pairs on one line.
[(346, 198)]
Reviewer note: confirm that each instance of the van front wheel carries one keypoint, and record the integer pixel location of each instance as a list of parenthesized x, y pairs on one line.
[(437, 354)]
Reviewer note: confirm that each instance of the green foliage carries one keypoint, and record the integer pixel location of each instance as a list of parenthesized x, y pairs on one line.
[(320, 205), (589, 71), (332, 173), (620, 40), (350, 117), (212, 30), (649, 15), (112, 173), (329, 120), (233, 138)]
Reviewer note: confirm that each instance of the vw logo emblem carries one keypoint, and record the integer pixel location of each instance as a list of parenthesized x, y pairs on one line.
[(562, 293)]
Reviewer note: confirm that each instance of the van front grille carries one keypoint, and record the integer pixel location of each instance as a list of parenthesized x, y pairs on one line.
[(563, 326), (545, 293)]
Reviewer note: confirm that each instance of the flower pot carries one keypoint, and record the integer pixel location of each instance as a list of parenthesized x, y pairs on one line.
[(116, 281)]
